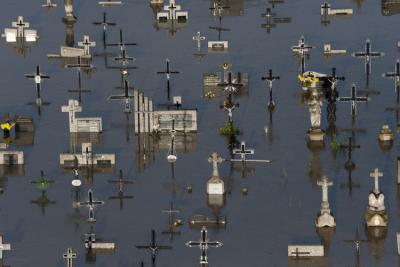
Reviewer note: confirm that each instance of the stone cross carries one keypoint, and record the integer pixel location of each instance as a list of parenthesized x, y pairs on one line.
[(325, 184), (215, 159), (20, 24), (376, 175), (86, 43), (69, 256), (3, 247), (72, 108), (198, 38)]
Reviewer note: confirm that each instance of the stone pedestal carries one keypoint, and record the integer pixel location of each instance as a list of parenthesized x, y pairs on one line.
[(215, 186), (325, 219), (316, 135), (376, 215), (385, 134)]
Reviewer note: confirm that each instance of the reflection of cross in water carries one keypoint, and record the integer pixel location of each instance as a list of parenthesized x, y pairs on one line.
[(396, 77), (79, 90), (356, 241), (170, 213), (349, 163), (43, 201), (353, 99), (350, 184), (121, 182), (298, 253), (69, 256), (219, 28), (274, 2)]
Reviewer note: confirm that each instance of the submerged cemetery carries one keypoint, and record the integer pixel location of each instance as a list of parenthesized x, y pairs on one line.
[(200, 133)]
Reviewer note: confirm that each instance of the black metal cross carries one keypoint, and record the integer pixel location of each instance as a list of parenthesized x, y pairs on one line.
[(270, 79), (153, 247), (353, 99), (350, 146)]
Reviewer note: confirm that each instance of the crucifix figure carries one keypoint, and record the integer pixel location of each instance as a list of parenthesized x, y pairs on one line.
[(325, 218), (204, 243), (332, 96), (168, 73), (302, 50), (91, 204), (69, 256), (349, 163), (353, 99), (198, 38), (86, 43), (3, 247), (270, 79), (38, 77)]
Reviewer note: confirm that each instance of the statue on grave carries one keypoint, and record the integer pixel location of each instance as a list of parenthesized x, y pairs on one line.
[(69, 11), (314, 105)]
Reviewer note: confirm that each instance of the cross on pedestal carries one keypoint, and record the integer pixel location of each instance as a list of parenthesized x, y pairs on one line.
[(198, 38), (376, 175), (270, 79), (349, 163), (324, 185), (215, 159), (69, 256), (353, 99), (3, 247), (86, 43), (204, 244), (20, 24)]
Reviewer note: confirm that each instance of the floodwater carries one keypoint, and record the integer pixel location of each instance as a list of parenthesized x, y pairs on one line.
[(283, 198)]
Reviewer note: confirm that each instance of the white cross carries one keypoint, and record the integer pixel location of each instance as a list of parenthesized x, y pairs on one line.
[(198, 38), (69, 255), (376, 175), (215, 159), (3, 247), (20, 24), (86, 44), (324, 184), (72, 108)]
